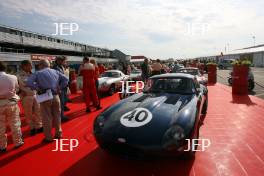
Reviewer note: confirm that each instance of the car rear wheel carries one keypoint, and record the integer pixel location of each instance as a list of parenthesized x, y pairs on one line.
[(205, 106), (251, 85), (230, 81)]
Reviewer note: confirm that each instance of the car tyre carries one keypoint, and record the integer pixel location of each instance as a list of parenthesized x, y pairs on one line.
[(251, 85), (205, 106), (230, 81), (191, 154)]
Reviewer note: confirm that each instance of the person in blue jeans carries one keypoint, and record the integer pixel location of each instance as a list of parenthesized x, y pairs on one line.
[(60, 61)]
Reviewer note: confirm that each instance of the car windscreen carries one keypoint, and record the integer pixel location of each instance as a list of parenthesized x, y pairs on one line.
[(172, 85), (135, 72), (110, 74), (190, 71)]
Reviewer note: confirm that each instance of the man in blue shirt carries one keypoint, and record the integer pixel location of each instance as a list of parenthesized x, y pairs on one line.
[(41, 81)]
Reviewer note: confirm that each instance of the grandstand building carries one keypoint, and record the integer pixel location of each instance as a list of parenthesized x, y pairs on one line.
[(17, 45)]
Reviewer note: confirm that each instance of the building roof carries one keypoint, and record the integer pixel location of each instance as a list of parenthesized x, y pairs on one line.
[(254, 49)]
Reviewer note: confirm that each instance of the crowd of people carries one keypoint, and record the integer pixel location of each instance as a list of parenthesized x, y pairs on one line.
[(50, 82), (150, 68)]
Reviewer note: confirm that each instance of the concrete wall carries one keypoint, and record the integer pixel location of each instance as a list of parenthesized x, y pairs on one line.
[(258, 59)]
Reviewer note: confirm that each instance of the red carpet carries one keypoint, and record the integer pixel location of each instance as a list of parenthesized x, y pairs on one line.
[(234, 124)]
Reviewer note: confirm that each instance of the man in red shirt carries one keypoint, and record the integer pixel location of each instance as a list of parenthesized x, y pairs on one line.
[(89, 86), (101, 68)]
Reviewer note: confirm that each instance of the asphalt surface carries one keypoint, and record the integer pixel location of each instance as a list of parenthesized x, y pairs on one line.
[(258, 91)]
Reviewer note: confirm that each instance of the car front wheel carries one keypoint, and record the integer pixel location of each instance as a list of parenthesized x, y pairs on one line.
[(194, 144), (230, 81)]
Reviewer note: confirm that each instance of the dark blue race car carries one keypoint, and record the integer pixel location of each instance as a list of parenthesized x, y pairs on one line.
[(157, 121)]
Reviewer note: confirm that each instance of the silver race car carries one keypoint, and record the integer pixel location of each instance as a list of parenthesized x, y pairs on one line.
[(110, 81), (195, 72)]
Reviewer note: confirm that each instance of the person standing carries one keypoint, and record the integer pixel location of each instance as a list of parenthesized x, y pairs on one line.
[(89, 86), (60, 62), (101, 68), (85, 60), (9, 110), (129, 69), (96, 69), (68, 92), (43, 80), (145, 69), (156, 68), (28, 98)]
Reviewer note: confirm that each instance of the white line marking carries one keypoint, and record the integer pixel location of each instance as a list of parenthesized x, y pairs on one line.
[(255, 154), (239, 163)]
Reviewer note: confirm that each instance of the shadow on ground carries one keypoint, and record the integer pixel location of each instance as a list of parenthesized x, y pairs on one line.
[(242, 99), (101, 163)]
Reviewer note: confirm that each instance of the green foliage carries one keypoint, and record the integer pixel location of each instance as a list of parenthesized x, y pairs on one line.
[(242, 62)]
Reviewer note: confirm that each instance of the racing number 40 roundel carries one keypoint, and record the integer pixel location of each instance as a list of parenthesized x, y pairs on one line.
[(136, 118)]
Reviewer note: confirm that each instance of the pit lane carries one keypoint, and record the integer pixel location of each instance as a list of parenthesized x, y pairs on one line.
[(258, 91), (233, 124)]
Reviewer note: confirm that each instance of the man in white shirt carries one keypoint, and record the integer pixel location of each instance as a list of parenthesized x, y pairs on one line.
[(9, 110)]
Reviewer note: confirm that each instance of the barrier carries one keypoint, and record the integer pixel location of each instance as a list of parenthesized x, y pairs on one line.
[(212, 71), (240, 79)]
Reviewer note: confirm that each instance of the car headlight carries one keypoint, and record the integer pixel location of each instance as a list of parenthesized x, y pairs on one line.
[(100, 120), (99, 123), (173, 137)]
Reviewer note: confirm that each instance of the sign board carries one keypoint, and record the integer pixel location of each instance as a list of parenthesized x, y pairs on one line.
[(38, 57)]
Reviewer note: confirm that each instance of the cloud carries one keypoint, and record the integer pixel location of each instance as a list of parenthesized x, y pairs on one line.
[(163, 24), (159, 38)]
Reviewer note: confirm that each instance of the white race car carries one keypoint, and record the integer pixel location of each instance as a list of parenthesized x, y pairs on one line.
[(110, 81), (135, 75)]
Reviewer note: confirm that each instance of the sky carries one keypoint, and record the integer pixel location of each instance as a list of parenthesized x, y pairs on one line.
[(153, 28)]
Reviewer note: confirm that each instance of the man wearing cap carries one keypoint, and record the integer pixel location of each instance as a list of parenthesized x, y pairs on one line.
[(49, 80), (28, 99), (9, 110)]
